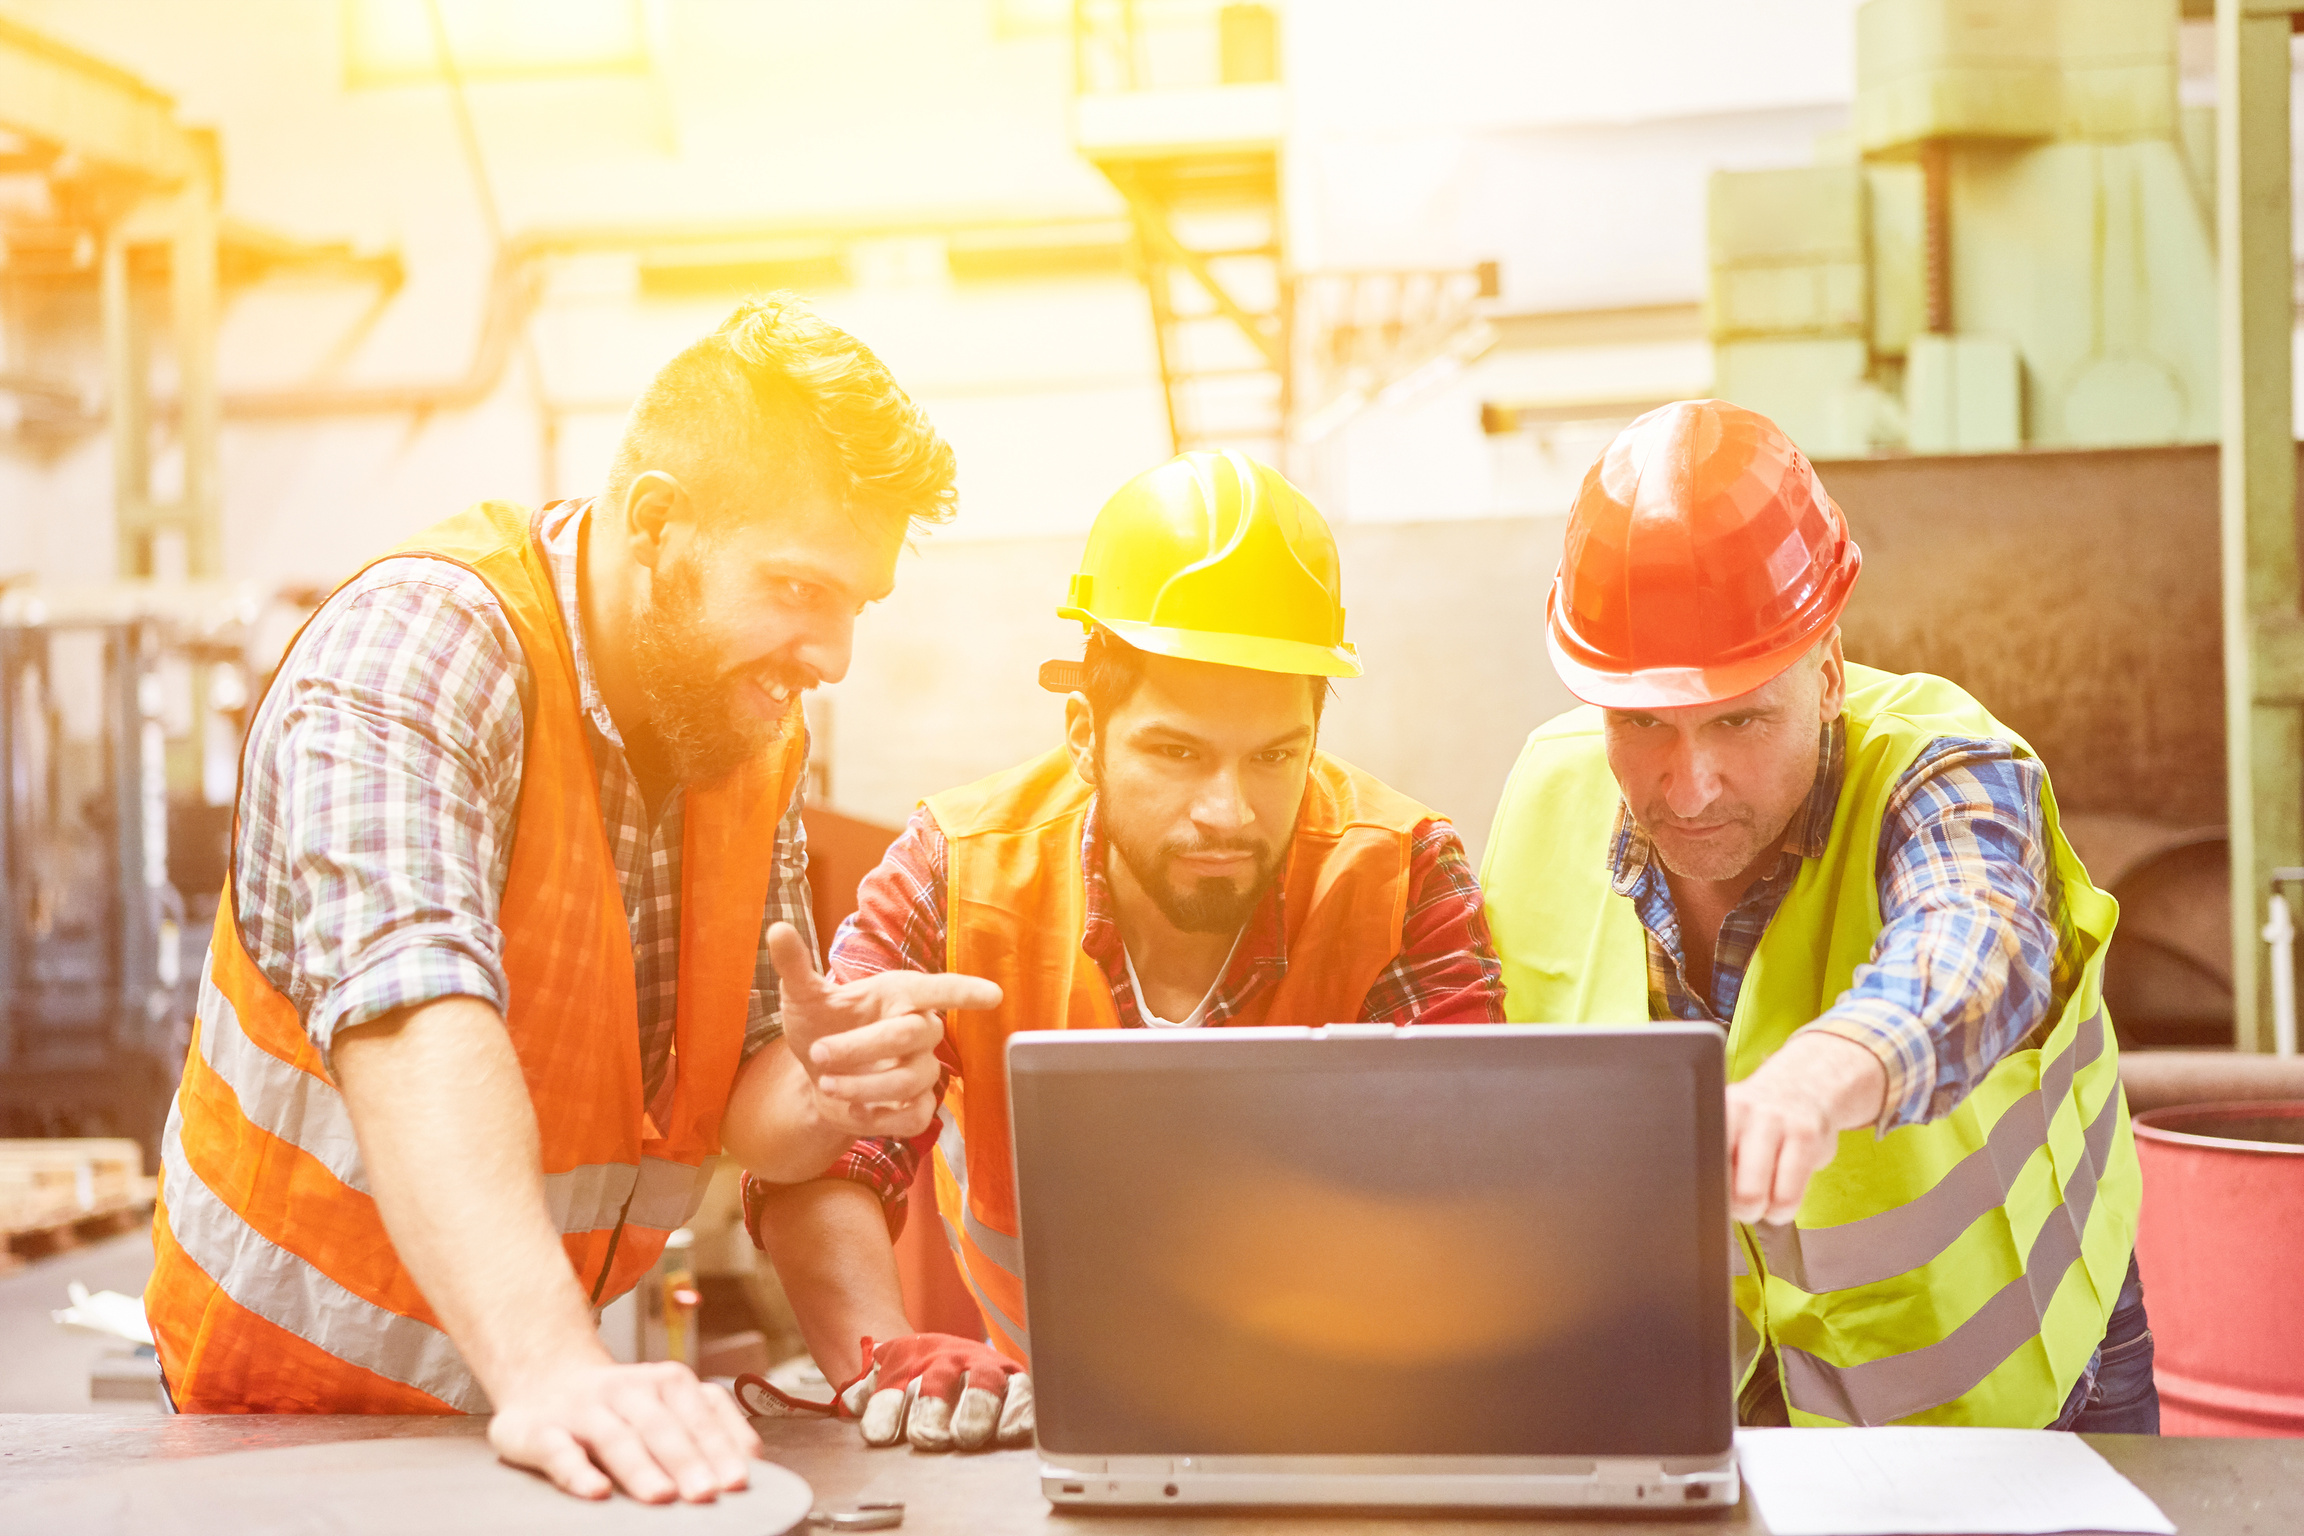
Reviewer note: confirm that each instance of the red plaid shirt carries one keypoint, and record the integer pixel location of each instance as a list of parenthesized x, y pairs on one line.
[(1446, 972)]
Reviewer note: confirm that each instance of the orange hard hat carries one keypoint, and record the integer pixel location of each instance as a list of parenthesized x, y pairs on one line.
[(1701, 560)]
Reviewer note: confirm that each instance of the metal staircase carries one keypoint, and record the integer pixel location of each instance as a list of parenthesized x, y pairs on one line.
[(1195, 151)]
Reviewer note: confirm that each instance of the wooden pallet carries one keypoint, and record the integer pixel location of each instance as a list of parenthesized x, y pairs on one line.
[(59, 1193), (25, 1244)]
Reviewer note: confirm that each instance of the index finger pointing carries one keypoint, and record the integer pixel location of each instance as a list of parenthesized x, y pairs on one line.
[(914, 992), (795, 965)]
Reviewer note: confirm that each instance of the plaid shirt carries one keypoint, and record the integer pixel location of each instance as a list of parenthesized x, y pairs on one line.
[(381, 789), (1975, 950), (1446, 972)]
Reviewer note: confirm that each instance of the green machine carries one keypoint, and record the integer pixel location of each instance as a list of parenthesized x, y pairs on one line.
[(2010, 247)]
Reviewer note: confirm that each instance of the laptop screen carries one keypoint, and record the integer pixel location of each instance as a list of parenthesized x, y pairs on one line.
[(1499, 1242)]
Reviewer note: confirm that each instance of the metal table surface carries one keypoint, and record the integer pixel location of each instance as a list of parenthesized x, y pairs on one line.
[(2208, 1487)]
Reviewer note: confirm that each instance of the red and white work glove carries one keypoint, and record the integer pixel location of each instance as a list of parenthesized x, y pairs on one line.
[(939, 1391), (942, 1393)]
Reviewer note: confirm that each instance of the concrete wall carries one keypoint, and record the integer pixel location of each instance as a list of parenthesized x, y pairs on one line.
[(2074, 593), (1448, 617)]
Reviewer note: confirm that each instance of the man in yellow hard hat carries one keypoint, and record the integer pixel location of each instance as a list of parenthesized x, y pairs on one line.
[(1861, 877), (1188, 857)]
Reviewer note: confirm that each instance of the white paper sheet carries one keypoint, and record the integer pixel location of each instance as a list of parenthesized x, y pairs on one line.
[(1937, 1482)]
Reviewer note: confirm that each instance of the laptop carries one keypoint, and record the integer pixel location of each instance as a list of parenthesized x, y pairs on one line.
[(1361, 1265)]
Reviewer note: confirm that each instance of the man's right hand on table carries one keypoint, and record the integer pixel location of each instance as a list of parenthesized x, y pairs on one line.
[(654, 1429), (869, 1045), (450, 1143)]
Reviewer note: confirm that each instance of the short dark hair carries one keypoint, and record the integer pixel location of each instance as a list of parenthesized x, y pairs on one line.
[(1112, 670), (776, 384)]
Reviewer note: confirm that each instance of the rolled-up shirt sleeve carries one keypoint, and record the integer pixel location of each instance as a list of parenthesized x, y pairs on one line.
[(1447, 971), (898, 924), (1966, 964), (382, 778)]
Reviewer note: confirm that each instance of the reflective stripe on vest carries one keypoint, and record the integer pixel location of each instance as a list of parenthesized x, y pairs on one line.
[(997, 1248), (297, 1296), (1873, 1248), (297, 1107), (275, 1286), (1897, 1386), (309, 1114), (1932, 1274), (1015, 897), (659, 1195), (1747, 1340)]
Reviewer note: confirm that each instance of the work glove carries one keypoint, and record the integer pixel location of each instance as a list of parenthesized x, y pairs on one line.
[(940, 1392)]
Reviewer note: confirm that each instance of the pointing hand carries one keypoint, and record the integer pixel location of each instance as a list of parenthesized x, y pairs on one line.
[(869, 1045)]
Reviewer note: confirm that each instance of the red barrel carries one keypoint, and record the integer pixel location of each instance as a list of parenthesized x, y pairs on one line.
[(2221, 1246)]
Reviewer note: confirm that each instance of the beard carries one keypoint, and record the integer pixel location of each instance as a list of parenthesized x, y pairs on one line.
[(1722, 856), (696, 707), (1211, 904)]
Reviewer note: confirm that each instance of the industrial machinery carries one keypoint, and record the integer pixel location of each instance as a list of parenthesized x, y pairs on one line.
[(2011, 247), (122, 705), (121, 713)]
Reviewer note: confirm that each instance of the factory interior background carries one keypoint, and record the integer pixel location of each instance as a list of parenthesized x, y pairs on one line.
[(1426, 260)]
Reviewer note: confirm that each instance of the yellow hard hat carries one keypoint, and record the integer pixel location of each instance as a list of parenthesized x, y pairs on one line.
[(1215, 557)]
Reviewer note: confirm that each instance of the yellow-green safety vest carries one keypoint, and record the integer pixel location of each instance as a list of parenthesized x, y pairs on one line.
[(1958, 1272)]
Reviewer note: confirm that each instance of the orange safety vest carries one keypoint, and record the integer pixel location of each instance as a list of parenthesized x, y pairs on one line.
[(276, 1288), (1016, 902)]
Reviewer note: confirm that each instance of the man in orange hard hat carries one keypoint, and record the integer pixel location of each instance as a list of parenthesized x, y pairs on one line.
[(1187, 857), (1860, 876)]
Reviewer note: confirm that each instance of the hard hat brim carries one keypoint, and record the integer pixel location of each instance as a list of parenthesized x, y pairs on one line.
[(1258, 653), (1669, 687), (1680, 687)]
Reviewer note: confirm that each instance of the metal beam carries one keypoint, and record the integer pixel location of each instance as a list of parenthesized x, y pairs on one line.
[(2263, 622), (127, 395), (59, 96), (194, 317)]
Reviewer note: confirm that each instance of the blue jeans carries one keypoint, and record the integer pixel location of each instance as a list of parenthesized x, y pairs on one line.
[(2115, 1394)]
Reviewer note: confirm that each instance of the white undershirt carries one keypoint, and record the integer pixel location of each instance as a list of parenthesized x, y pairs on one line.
[(1199, 1013)]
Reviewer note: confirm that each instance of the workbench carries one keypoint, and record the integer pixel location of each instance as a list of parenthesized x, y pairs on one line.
[(2208, 1487)]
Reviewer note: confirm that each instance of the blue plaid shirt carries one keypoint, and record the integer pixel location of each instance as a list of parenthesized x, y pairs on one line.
[(1975, 950)]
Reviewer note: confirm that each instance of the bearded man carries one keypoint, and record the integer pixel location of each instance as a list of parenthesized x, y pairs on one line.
[(1187, 858), (490, 984)]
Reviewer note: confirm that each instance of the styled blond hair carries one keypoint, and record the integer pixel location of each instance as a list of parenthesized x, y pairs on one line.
[(779, 393)]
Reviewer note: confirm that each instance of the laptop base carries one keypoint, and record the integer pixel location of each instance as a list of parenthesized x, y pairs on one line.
[(1421, 1482)]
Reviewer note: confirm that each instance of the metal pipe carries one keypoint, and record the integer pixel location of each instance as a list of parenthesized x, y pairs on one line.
[(126, 383), (512, 294), (2263, 628), (192, 323), (2280, 934), (516, 279), (1936, 175)]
